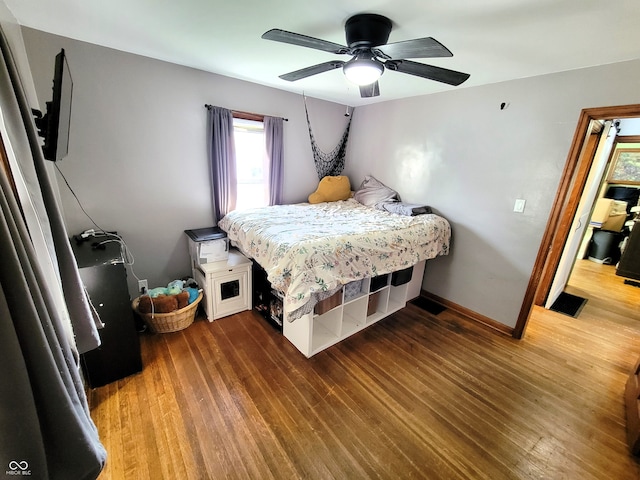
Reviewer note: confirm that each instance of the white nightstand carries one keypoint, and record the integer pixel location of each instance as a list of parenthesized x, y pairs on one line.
[(226, 285)]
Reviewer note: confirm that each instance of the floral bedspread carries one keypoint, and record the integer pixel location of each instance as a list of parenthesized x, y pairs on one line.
[(310, 250)]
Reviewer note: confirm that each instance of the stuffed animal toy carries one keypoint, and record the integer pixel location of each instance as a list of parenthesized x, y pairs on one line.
[(159, 304), (193, 293), (156, 292), (189, 282), (167, 299), (182, 299), (174, 287)]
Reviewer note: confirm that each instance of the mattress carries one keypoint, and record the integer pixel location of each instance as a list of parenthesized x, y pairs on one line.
[(310, 250)]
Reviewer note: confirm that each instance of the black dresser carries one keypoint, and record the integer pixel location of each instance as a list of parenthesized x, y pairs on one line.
[(104, 275)]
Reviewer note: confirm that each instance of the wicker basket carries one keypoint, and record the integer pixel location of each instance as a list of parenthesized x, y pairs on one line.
[(169, 322)]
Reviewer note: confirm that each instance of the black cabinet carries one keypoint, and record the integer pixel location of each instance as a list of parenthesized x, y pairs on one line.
[(629, 265), (103, 273)]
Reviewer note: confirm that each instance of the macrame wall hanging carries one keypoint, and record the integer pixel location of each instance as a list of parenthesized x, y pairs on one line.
[(331, 163)]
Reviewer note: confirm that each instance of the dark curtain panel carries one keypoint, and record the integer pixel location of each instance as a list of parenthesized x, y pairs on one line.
[(222, 157), (45, 426), (273, 127)]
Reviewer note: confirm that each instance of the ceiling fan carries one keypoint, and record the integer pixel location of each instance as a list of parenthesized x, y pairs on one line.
[(367, 36)]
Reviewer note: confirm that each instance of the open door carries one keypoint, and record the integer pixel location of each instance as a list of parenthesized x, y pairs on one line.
[(563, 210), (581, 220)]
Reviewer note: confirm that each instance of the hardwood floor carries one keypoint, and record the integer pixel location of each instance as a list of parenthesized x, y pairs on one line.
[(414, 396)]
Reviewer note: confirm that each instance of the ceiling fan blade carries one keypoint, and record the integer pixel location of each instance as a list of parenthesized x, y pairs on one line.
[(431, 72), (313, 70), (283, 36), (417, 48), (372, 90)]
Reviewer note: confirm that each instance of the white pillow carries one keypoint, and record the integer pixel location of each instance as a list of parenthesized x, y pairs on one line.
[(372, 192)]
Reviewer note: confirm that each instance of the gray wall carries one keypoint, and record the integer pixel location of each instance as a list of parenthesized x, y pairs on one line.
[(138, 164), (460, 153), (137, 149)]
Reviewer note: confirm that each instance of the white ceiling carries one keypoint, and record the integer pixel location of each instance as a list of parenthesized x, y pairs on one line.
[(493, 40)]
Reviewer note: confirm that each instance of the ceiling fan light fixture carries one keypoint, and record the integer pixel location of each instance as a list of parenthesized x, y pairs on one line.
[(367, 35), (363, 71)]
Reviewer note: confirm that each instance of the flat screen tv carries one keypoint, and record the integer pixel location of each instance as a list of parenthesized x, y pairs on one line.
[(54, 125)]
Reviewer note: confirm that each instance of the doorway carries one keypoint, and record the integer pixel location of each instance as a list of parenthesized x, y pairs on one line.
[(570, 190), (598, 145)]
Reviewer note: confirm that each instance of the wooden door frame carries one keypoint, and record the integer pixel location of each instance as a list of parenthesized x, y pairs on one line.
[(563, 211)]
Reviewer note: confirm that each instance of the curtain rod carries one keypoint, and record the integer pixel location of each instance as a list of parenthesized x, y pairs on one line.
[(247, 115)]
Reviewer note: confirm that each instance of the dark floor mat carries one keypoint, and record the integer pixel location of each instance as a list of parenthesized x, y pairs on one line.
[(568, 304), (428, 305)]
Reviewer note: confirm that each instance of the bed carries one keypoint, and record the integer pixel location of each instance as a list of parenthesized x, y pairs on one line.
[(309, 251)]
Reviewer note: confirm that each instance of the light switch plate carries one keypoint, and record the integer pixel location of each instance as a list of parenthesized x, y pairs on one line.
[(518, 207)]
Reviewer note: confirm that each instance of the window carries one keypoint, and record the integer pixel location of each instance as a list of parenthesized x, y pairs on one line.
[(625, 166), (252, 164)]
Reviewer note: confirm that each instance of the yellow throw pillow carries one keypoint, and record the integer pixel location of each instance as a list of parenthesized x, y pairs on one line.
[(331, 189)]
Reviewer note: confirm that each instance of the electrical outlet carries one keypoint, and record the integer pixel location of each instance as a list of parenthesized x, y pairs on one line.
[(143, 286)]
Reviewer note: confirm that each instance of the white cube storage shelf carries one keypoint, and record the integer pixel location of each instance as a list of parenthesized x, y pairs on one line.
[(226, 285), (313, 333)]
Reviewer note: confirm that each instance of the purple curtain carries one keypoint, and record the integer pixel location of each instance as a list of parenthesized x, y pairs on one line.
[(273, 127), (222, 157)]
